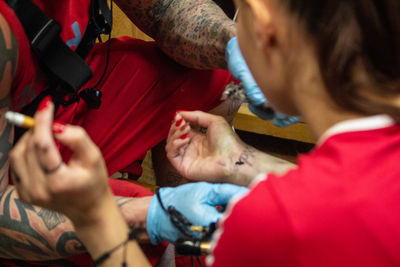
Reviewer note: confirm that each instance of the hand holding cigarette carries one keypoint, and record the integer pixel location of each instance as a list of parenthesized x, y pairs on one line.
[(73, 188)]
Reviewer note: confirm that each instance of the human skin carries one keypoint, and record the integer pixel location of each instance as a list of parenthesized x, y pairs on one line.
[(277, 44), (170, 23), (284, 62), (286, 54), (192, 32), (79, 189)]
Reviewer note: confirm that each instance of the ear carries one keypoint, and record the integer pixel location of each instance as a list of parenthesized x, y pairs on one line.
[(266, 34)]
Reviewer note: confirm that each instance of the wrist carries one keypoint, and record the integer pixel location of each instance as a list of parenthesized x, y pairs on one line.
[(104, 230), (94, 212), (134, 210), (135, 213), (242, 165)]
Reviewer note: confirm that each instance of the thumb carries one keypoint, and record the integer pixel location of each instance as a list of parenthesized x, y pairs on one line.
[(79, 142), (221, 194)]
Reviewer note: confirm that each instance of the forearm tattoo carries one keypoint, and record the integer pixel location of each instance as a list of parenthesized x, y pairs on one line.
[(8, 63), (193, 32), (246, 157), (122, 201), (32, 233), (25, 232), (51, 219), (23, 237)]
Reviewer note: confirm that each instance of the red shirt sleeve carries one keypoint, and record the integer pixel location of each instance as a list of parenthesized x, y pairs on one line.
[(256, 232)]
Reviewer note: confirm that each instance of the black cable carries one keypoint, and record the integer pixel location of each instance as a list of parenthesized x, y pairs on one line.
[(92, 96), (176, 218), (108, 52), (195, 235), (199, 261)]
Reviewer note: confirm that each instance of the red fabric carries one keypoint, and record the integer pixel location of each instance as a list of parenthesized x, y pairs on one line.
[(186, 261), (120, 188), (28, 81), (67, 13), (141, 91), (341, 207), (127, 189)]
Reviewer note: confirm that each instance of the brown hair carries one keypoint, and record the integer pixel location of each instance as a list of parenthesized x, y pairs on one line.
[(353, 33)]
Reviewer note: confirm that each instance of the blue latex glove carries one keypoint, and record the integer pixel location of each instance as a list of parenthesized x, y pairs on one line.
[(278, 118), (196, 201), (257, 102)]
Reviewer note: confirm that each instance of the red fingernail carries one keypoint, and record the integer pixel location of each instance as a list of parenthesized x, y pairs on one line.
[(58, 127), (183, 137), (45, 103), (184, 127), (179, 122)]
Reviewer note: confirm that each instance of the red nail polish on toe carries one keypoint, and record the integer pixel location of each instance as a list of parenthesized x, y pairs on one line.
[(58, 127), (45, 103), (179, 122), (183, 137)]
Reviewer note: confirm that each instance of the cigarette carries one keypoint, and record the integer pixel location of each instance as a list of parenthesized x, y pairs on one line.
[(20, 120)]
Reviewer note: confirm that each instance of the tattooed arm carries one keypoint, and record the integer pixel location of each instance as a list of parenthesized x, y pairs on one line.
[(28, 232), (8, 63), (193, 32), (32, 233), (247, 163)]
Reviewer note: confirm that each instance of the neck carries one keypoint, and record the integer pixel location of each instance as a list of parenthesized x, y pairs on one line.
[(316, 106), (331, 115)]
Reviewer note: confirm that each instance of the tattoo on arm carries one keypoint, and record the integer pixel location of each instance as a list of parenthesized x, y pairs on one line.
[(192, 32), (51, 219), (8, 51), (122, 201), (25, 233), (251, 162), (246, 157), (8, 63), (30, 235)]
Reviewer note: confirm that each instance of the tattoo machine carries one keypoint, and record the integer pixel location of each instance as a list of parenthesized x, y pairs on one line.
[(197, 238)]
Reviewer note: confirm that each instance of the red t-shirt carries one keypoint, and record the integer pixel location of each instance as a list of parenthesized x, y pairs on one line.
[(340, 207), (73, 15)]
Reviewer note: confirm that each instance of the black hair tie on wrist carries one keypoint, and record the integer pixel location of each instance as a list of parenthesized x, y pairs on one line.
[(132, 235)]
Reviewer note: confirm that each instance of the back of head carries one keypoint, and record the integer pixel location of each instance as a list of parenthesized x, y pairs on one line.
[(358, 45)]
